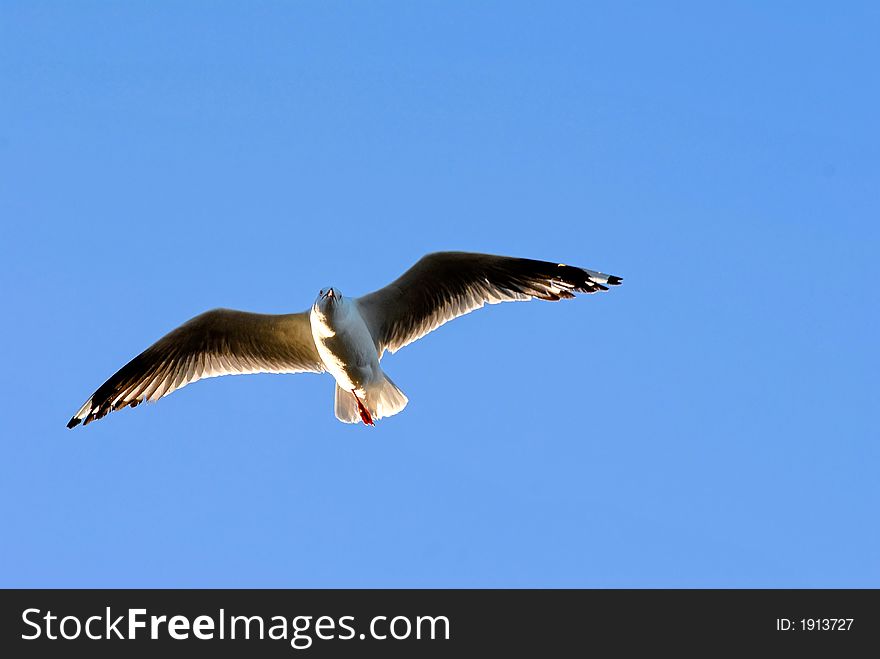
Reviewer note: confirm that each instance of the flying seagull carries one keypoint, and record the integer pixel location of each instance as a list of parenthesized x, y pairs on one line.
[(343, 336)]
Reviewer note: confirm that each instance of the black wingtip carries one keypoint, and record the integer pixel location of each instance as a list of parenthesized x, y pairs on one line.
[(614, 281), (73, 423)]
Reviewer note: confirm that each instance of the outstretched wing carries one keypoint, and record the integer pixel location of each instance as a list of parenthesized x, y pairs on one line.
[(446, 285), (218, 342)]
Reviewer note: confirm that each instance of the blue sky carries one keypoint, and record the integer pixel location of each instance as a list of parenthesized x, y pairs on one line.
[(709, 423)]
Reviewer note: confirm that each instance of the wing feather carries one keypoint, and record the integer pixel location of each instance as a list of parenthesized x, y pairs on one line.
[(218, 342), (445, 285)]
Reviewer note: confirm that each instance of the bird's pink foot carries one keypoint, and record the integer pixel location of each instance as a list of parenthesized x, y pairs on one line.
[(365, 413)]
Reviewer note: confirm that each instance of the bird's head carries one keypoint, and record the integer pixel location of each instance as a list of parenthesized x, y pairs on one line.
[(328, 299)]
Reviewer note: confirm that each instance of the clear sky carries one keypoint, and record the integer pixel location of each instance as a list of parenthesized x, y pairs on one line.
[(712, 422)]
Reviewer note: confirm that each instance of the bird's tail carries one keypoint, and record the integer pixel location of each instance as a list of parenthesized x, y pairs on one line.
[(384, 398), (380, 399), (345, 406)]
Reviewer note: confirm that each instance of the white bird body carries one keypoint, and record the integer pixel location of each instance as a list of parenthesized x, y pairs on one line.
[(345, 337), (345, 344), (348, 351)]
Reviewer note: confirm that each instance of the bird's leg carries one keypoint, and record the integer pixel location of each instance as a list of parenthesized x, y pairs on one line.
[(365, 413)]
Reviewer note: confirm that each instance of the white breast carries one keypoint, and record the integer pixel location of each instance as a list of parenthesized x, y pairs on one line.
[(345, 345)]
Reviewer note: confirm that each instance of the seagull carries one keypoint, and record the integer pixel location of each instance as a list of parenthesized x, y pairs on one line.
[(343, 336)]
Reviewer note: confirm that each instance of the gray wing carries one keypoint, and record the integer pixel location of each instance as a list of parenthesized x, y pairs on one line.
[(218, 342), (446, 285)]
